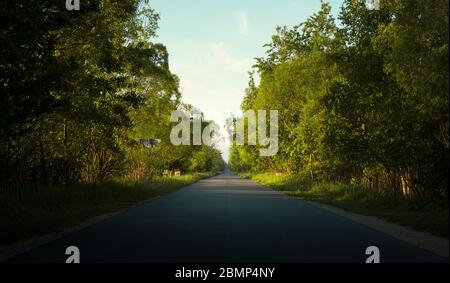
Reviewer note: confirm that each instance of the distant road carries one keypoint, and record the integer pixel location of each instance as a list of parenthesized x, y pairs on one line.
[(227, 219)]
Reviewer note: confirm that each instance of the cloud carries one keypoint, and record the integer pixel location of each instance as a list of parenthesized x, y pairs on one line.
[(225, 58), (242, 22)]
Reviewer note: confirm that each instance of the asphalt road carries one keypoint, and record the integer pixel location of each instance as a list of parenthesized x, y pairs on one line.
[(228, 219)]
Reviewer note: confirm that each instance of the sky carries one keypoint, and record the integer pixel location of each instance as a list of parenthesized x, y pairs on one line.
[(212, 45)]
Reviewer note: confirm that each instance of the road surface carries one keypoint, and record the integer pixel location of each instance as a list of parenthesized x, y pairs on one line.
[(227, 219)]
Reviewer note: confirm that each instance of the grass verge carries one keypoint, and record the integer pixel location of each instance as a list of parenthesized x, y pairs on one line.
[(420, 213), (48, 210)]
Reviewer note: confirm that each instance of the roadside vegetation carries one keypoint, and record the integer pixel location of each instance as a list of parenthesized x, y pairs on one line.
[(417, 212), (85, 104), (363, 110), (52, 209), (81, 92)]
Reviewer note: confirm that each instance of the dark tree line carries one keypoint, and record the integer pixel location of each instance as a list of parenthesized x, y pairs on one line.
[(79, 89)]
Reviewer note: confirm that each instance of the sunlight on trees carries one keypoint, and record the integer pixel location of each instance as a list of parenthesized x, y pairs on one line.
[(80, 89), (365, 101)]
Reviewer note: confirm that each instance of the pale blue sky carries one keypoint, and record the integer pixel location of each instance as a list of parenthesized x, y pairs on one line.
[(212, 45)]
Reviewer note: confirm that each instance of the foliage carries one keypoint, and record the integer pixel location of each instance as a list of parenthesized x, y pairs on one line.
[(79, 89), (364, 101), (416, 211)]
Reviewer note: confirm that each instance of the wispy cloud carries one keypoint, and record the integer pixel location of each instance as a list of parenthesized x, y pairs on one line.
[(243, 25), (232, 62)]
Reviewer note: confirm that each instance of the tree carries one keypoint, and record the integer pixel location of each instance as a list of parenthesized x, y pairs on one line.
[(365, 101)]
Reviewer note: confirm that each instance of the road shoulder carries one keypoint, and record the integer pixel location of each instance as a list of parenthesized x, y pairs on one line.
[(424, 240)]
